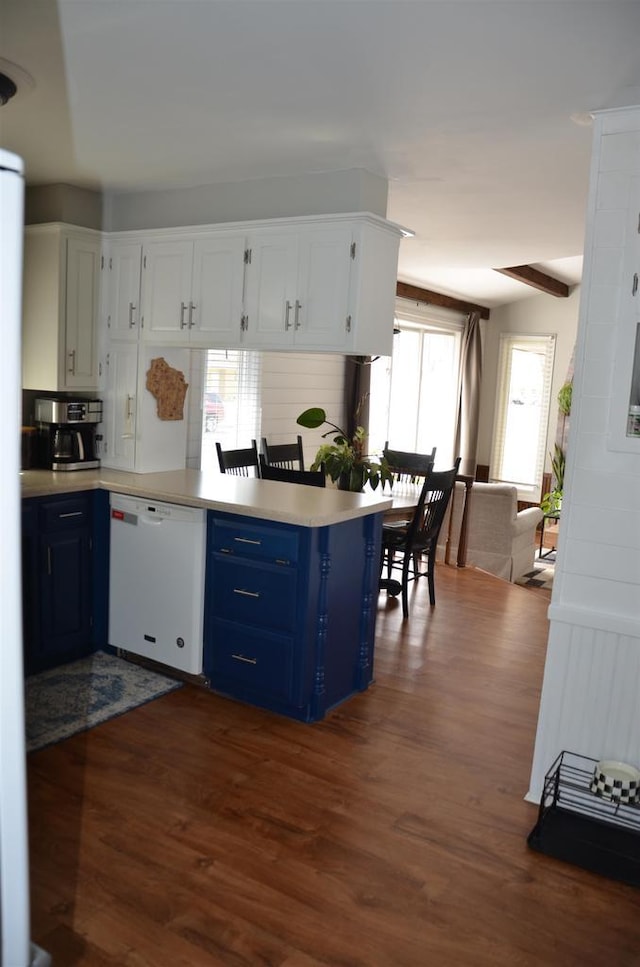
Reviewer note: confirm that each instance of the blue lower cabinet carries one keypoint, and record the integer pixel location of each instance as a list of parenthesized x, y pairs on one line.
[(30, 582), (290, 611), (254, 662), (58, 579)]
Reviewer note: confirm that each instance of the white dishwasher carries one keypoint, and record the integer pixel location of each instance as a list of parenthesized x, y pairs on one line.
[(156, 581)]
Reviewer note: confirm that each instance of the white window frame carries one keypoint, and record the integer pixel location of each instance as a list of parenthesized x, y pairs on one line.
[(420, 317), (528, 490)]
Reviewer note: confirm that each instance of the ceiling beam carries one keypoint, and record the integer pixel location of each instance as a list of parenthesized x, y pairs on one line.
[(418, 294), (539, 280)]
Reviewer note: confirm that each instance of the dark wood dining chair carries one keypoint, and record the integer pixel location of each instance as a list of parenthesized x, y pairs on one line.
[(406, 465), (288, 455), (418, 538), (312, 478), (239, 462)]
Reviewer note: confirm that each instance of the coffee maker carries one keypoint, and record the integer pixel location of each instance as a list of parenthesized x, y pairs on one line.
[(67, 433)]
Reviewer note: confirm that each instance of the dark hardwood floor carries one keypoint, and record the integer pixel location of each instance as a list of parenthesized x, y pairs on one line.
[(197, 831)]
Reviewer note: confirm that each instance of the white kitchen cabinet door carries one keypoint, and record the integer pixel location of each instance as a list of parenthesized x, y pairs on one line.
[(270, 290), (372, 288), (321, 308), (82, 309), (215, 312), (61, 301), (120, 406), (166, 290), (125, 266)]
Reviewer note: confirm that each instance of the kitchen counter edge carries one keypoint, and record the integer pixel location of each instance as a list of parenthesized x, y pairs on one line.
[(248, 497)]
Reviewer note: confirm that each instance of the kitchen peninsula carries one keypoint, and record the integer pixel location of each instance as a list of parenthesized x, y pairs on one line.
[(290, 587)]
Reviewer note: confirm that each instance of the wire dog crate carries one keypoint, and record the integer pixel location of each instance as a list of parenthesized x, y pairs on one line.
[(579, 827)]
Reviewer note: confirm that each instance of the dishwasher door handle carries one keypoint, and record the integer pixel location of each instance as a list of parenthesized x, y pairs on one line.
[(152, 521)]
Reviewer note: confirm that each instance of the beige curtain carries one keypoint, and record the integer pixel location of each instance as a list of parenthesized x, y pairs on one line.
[(466, 442)]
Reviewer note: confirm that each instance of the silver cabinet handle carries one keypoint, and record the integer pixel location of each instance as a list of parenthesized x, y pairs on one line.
[(132, 309), (296, 320), (72, 362), (246, 594), (75, 513), (247, 540), (248, 661), (192, 309), (48, 559), (129, 410), (287, 324), (183, 309), (634, 287)]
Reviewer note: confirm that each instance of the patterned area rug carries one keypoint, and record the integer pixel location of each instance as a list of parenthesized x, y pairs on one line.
[(73, 698), (542, 574)]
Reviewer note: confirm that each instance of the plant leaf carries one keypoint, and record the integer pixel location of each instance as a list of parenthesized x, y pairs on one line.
[(312, 418)]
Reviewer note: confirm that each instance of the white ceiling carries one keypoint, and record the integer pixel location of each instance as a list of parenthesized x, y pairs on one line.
[(465, 107)]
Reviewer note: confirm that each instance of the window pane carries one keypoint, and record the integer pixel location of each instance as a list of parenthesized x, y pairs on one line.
[(405, 390), (438, 396), (231, 403), (522, 411), (414, 393), (526, 385)]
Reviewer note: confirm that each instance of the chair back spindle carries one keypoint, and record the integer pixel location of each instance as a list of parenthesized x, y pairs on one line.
[(239, 462), (287, 455)]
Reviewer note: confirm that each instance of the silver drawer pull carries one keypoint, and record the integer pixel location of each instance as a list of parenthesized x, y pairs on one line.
[(246, 594), (75, 513), (247, 661), (246, 540)]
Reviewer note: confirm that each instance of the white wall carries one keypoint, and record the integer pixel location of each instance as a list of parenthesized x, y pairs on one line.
[(321, 193), (291, 383), (538, 314)]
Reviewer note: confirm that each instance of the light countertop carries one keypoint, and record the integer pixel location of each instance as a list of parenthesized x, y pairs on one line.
[(266, 499)]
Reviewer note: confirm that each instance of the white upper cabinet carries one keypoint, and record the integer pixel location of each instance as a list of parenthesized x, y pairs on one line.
[(328, 286), (192, 290), (323, 283), (123, 312), (166, 289), (61, 298), (297, 289)]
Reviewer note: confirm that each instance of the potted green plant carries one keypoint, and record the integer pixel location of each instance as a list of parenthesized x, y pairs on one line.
[(344, 460), (551, 502)]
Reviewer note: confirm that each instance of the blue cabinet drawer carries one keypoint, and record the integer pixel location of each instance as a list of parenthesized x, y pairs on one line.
[(64, 514), (255, 540), (252, 659), (254, 593)]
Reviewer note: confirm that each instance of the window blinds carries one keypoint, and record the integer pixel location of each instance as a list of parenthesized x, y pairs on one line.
[(523, 395)]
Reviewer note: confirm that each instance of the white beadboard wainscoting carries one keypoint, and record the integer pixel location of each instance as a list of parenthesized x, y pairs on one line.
[(589, 697)]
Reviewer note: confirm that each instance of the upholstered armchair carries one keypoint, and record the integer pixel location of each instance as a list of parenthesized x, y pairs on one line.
[(500, 539)]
